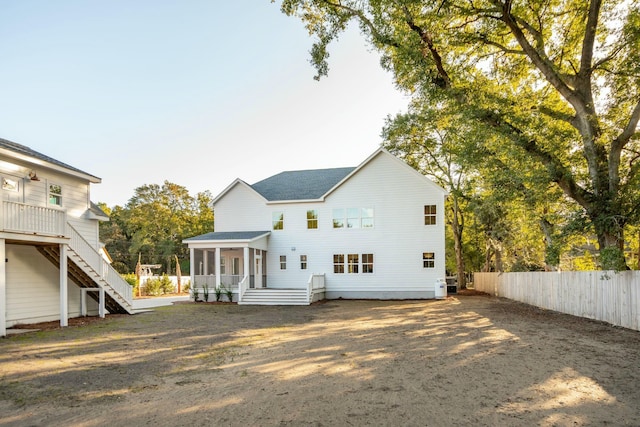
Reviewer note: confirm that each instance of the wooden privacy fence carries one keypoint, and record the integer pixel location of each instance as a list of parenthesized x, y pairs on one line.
[(601, 295)]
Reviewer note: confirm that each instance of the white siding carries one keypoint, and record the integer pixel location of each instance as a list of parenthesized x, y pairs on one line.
[(397, 240), (242, 209), (33, 288)]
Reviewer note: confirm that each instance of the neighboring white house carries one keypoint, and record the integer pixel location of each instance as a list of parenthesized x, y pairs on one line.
[(373, 231), (49, 243)]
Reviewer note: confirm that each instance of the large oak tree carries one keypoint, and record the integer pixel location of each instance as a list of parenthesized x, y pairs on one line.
[(556, 80)]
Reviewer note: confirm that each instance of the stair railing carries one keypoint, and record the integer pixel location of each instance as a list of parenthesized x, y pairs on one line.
[(316, 281), (243, 286), (93, 258)]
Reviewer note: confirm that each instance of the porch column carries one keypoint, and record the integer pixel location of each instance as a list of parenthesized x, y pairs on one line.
[(64, 303), (218, 278), (247, 262), (205, 260), (3, 289), (192, 266)]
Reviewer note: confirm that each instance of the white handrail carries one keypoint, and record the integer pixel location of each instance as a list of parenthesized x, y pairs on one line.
[(316, 281), (93, 258), (243, 286)]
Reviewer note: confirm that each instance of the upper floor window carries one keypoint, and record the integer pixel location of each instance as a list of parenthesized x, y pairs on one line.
[(338, 218), (353, 218), (312, 219), (428, 260), (55, 194), (429, 214), (303, 262), (9, 184), (366, 217), (278, 220), (283, 262)]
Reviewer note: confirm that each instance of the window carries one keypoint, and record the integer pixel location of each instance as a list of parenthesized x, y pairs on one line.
[(367, 217), (428, 260), (235, 266), (278, 221), (338, 218), (352, 260), (338, 263), (367, 263), (223, 268), (429, 214), (353, 218), (9, 184), (312, 219), (283, 262), (303, 262), (55, 195)]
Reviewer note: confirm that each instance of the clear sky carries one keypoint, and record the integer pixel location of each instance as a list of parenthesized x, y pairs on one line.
[(196, 92)]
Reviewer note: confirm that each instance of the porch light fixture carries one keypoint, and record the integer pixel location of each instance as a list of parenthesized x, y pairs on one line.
[(33, 176), (293, 248)]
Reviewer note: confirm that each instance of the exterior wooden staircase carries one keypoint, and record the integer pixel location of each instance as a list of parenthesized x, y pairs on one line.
[(270, 296), (87, 269)]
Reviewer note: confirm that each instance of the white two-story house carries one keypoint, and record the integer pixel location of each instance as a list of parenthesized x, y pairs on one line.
[(373, 231), (49, 243)]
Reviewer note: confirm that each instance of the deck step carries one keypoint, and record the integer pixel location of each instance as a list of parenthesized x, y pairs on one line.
[(272, 296)]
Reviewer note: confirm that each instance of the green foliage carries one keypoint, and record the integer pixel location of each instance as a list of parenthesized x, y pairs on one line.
[(196, 294), (526, 78), (153, 287), (612, 258), (229, 293), (132, 280), (219, 293), (153, 224), (205, 292)]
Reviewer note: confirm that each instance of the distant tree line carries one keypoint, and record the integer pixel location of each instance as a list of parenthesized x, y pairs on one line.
[(152, 225)]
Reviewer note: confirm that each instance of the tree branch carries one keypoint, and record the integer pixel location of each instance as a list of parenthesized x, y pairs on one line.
[(428, 41)]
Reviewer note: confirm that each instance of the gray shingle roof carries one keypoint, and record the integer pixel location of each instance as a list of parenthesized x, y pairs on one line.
[(228, 235), (300, 185), (21, 149)]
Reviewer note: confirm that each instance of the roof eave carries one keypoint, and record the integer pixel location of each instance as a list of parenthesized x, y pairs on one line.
[(49, 165), (284, 202)]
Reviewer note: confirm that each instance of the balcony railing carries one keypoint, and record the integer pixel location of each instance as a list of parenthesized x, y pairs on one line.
[(29, 219)]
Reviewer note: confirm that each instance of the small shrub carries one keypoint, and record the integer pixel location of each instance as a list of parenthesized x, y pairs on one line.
[(196, 294), (219, 293), (132, 280), (205, 291), (153, 287), (166, 285), (186, 287), (229, 293)]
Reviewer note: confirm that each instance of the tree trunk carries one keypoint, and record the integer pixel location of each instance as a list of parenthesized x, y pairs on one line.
[(458, 227)]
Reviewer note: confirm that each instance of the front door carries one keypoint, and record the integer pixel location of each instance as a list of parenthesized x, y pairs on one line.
[(257, 273)]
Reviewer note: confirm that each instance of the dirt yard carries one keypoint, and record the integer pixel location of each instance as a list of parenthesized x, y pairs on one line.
[(464, 361)]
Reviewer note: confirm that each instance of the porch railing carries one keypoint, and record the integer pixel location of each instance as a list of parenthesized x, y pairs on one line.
[(93, 258), (23, 218), (226, 280), (316, 281)]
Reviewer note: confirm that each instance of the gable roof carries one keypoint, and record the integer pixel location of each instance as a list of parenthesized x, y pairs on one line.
[(300, 185), (315, 184), (25, 153)]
